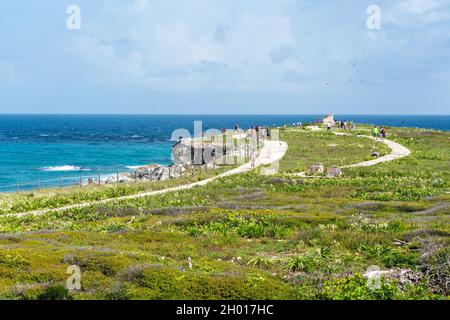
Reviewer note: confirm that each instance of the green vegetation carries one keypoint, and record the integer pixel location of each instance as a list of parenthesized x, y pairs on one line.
[(250, 236), (55, 198), (307, 148)]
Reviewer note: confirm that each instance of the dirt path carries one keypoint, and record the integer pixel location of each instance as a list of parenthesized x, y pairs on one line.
[(397, 152), (272, 152)]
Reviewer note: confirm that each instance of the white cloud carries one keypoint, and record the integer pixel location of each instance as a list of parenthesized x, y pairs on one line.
[(420, 6), (418, 12), (142, 4), (102, 56), (135, 7), (227, 50), (193, 45)]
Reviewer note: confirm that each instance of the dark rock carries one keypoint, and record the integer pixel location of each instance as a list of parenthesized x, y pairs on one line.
[(277, 181)]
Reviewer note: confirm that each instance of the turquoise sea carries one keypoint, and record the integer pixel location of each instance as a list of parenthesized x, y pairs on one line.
[(61, 148)]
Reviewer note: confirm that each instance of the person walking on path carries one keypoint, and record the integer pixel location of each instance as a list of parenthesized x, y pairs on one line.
[(257, 129), (375, 132), (253, 159), (383, 133)]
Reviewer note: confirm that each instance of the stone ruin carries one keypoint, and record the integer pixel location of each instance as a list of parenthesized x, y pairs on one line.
[(197, 151), (316, 168), (187, 152), (334, 172), (328, 119)]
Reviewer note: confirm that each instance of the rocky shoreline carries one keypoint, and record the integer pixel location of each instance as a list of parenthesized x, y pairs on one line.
[(190, 156)]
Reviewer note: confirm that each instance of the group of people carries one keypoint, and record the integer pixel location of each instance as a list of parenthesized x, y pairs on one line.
[(380, 132), (343, 125), (256, 132)]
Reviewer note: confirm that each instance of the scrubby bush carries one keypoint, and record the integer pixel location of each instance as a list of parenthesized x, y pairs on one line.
[(356, 288), (55, 292), (435, 264), (40, 291), (165, 283)]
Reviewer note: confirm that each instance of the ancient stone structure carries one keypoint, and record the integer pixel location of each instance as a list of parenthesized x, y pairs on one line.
[(334, 172), (328, 119), (316, 168)]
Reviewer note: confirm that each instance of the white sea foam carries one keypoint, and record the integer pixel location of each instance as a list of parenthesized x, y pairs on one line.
[(133, 167), (64, 168)]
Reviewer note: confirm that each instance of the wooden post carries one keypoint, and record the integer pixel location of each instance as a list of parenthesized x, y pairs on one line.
[(18, 187), (117, 176), (81, 181), (181, 171), (193, 171), (170, 173), (135, 176), (99, 179)]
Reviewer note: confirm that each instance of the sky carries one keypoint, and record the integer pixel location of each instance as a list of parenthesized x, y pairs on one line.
[(225, 57)]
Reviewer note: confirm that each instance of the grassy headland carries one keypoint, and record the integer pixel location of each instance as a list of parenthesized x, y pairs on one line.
[(250, 236)]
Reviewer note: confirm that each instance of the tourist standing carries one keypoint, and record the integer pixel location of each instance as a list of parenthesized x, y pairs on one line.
[(257, 136), (375, 132), (383, 132), (253, 160)]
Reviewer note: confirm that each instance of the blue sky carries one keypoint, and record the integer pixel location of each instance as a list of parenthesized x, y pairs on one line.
[(225, 56)]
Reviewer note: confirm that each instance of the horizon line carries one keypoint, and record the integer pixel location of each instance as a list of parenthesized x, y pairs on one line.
[(222, 114)]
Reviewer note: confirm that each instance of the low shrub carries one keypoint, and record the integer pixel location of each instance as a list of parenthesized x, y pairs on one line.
[(170, 284), (356, 288)]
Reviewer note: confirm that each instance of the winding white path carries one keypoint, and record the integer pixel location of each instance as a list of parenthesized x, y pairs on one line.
[(271, 152), (398, 151)]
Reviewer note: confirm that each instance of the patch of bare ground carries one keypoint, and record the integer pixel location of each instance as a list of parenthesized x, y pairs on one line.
[(250, 195), (361, 207), (426, 233), (177, 211), (278, 180), (240, 206), (165, 211), (439, 208), (368, 205), (22, 236)]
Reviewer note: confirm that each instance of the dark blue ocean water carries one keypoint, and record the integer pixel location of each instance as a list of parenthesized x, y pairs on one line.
[(54, 147)]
